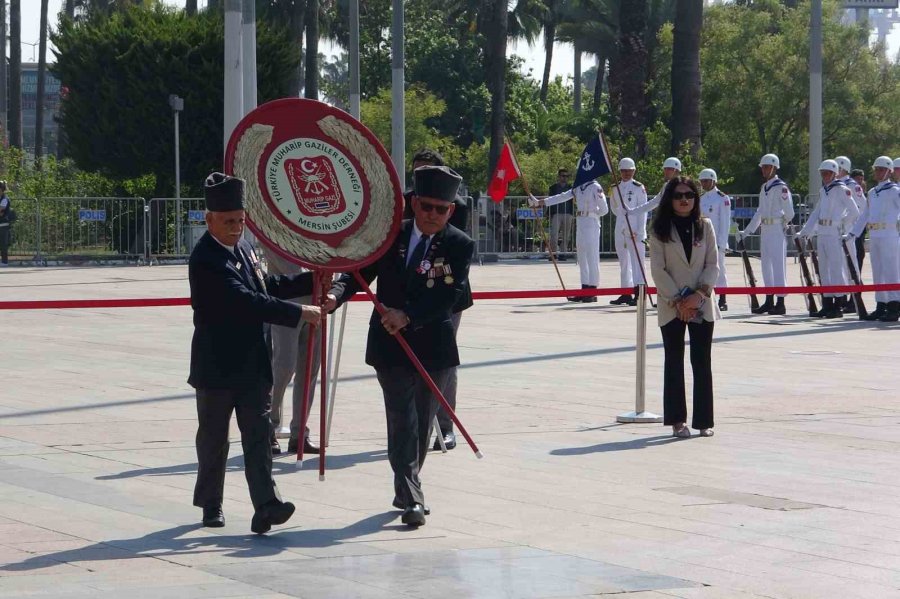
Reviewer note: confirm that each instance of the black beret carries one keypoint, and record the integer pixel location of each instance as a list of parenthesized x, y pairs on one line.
[(223, 193), (436, 182)]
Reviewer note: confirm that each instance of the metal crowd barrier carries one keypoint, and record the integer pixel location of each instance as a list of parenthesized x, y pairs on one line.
[(173, 227)]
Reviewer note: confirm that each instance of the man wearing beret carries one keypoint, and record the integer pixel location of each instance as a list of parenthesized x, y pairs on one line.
[(234, 303), (420, 280)]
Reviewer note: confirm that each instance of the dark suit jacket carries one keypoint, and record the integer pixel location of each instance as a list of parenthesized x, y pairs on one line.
[(460, 220), (232, 312), (430, 332)]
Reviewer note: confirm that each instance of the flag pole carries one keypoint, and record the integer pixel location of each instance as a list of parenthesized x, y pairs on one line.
[(540, 220), (637, 255)]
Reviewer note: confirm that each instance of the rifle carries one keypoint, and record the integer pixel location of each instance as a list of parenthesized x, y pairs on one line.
[(814, 256), (748, 273), (807, 278), (861, 311)]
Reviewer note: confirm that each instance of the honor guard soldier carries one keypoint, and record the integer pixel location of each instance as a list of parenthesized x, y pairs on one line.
[(421, 278), (859, 196), (880, 217), (774, 214), (629, 239), (590, 205), (835, 213), (716, 206), (234, 303)]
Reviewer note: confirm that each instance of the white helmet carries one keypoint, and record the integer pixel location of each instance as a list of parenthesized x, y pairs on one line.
[(844, 163), (672, 162), (896, 162), (829, 165), (770, 160), (883, 162), (708, 173), (626, 164)]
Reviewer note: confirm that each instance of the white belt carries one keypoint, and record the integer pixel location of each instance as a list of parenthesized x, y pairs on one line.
[(771, 221), (825, 222), (586, 213)]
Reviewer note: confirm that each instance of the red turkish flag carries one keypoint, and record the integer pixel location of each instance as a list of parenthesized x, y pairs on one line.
[(506, 172)]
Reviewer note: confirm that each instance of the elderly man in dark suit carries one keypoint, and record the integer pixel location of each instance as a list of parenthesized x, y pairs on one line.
[(234, 303), (420, 280)]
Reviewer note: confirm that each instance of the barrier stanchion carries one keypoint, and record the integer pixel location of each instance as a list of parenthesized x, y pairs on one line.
[(640, 413)]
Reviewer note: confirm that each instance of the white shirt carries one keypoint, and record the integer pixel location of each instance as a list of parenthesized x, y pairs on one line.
[(590, 200), (856, 189), (414, 242), (883, 208), (632, 194), (775, 203), (230, 248), (716, 206), (834, 213)]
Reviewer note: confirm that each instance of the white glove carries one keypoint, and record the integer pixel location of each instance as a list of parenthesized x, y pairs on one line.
[(740, 235), (533, 202), (848, 237)]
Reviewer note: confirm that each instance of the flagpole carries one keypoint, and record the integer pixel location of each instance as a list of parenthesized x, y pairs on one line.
[(637, 255), (540, 220)]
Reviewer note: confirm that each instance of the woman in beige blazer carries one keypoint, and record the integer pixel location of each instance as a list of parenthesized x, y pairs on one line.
[(685, 266)]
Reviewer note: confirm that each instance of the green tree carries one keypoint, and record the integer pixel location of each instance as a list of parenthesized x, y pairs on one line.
[(119, 71), (686, 75)]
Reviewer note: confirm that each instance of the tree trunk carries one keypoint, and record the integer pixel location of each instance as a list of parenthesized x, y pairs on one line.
[(628, 80), (576, 75), (495, 68), (4, 122), (214, 5), (15, 73), (598, 84), (686, 75), (190, 7), (41, 87), (549, 39), (70, 9), (311, 79), (296, 27)]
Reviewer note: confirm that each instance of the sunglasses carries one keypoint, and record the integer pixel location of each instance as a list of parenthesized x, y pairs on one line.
[(684, 195), (439, 208)]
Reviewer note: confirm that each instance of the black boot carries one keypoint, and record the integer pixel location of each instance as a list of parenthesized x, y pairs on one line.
[(892, 314), (778, 309), (579, 298), (834, 308), (632, 299), (622, 300), (827, 306), (723, 304), (590, 299), (849, 306), (766, 306), (881, 309)]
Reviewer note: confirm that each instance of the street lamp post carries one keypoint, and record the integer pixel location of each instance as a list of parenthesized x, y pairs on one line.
[(177, 104)]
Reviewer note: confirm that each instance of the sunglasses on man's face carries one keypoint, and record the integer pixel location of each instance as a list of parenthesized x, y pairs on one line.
[(439, 208), (684, 195)]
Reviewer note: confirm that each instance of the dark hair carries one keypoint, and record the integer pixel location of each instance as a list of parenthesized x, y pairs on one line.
[(857, 172), (432, 157), (562, 171), (662, 221)]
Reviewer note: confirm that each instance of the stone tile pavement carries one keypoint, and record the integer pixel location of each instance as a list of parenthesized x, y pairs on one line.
[(795, 496)]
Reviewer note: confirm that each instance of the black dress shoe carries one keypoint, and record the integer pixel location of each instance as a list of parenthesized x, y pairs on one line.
[(276, 447), (414, 515), (402, 506), (213, 517), (449, 441), (308, 447), (274, 512)]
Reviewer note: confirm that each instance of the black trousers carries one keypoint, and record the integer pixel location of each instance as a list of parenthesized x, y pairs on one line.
[(4, 243), (449, 390), (214, 408), (410, 407), (860, 252), (674, 402)]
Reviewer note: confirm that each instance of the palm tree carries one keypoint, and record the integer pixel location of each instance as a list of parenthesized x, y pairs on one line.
[(69, 9), (3, 95), (628, 74), (550, 20), (41, 86), (495, 25), (590, 25), (686, 75), (15, 73), (190, 7), (291, 14), (311, 83)]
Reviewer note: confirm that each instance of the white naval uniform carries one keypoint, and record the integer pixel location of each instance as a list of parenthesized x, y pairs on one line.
[(880, 216), (775, 212), (859, 197), (633, 194), (716, 206), (590, 205), (834, 214)]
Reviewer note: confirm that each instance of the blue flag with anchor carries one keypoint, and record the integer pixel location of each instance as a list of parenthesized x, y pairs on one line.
[(594, 162)]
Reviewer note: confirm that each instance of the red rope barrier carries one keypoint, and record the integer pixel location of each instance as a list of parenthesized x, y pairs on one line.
[(479, 295)]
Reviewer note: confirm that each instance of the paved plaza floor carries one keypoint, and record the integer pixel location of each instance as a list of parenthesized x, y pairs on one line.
[(797, 495)]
